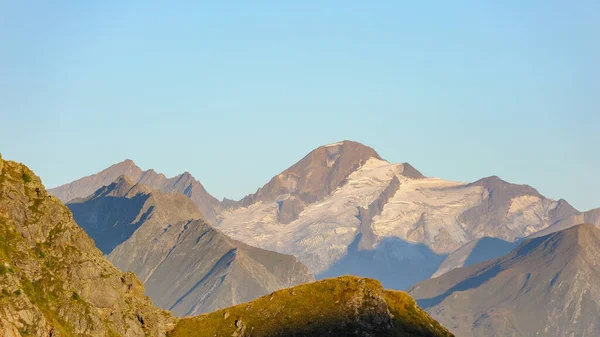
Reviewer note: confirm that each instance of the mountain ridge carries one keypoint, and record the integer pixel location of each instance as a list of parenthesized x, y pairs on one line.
[(183, 183), (544, 285)]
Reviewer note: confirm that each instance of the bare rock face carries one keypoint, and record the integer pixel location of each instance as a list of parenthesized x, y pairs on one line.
[(186, 265), (316, 175), (53, 280), (289, 210), (182, 184), (547, 286)]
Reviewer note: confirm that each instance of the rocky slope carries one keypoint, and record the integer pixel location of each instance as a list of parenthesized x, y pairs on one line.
[(547, 286), (346, 306), (53, 280), (186, 265), (183, 184), (114, 212), (360, 214)]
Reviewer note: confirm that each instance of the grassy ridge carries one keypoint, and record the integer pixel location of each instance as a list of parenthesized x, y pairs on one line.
[(332, 307)]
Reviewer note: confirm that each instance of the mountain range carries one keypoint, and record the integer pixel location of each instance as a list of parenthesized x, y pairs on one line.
[(363, 215), (187, 266), (342, 209), (55, 283)]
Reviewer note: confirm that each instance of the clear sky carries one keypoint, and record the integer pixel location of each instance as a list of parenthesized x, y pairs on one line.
[(235, 93)]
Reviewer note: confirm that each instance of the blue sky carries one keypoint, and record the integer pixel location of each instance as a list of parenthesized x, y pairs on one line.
[(235, 93)]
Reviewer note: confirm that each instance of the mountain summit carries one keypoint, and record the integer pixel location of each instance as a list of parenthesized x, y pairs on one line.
[(312, 178), (184, 184), (548, 286)]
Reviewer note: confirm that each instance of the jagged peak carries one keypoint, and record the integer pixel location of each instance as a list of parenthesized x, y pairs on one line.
[(411, 172), (123, 186)]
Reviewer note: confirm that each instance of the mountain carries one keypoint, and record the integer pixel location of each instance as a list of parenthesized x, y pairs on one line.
[(187, 266), (547, 286), (53, 280), (55, 283), (183, 183), (346, 306), (344, 210)]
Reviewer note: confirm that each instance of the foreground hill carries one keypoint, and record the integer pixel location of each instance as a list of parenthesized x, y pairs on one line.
[(547, 286), (345, 306), (187, 266), (53, 280), (181, 184), (344, 210)]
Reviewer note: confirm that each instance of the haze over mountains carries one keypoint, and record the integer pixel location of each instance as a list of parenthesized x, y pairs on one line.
[(547, 286), (186, 265)]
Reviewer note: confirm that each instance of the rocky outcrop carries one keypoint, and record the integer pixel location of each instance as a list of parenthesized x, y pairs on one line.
[(182, 184), (289, 209), (547, 286), (346, 306), (53, 280), (186, 265)]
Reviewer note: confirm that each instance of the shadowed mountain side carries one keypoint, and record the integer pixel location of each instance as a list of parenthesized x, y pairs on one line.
[(397, 264), (474, 252), (345, 306), (190, 267), (182, 184), (186, 265), (114, 212), (546, 286)]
